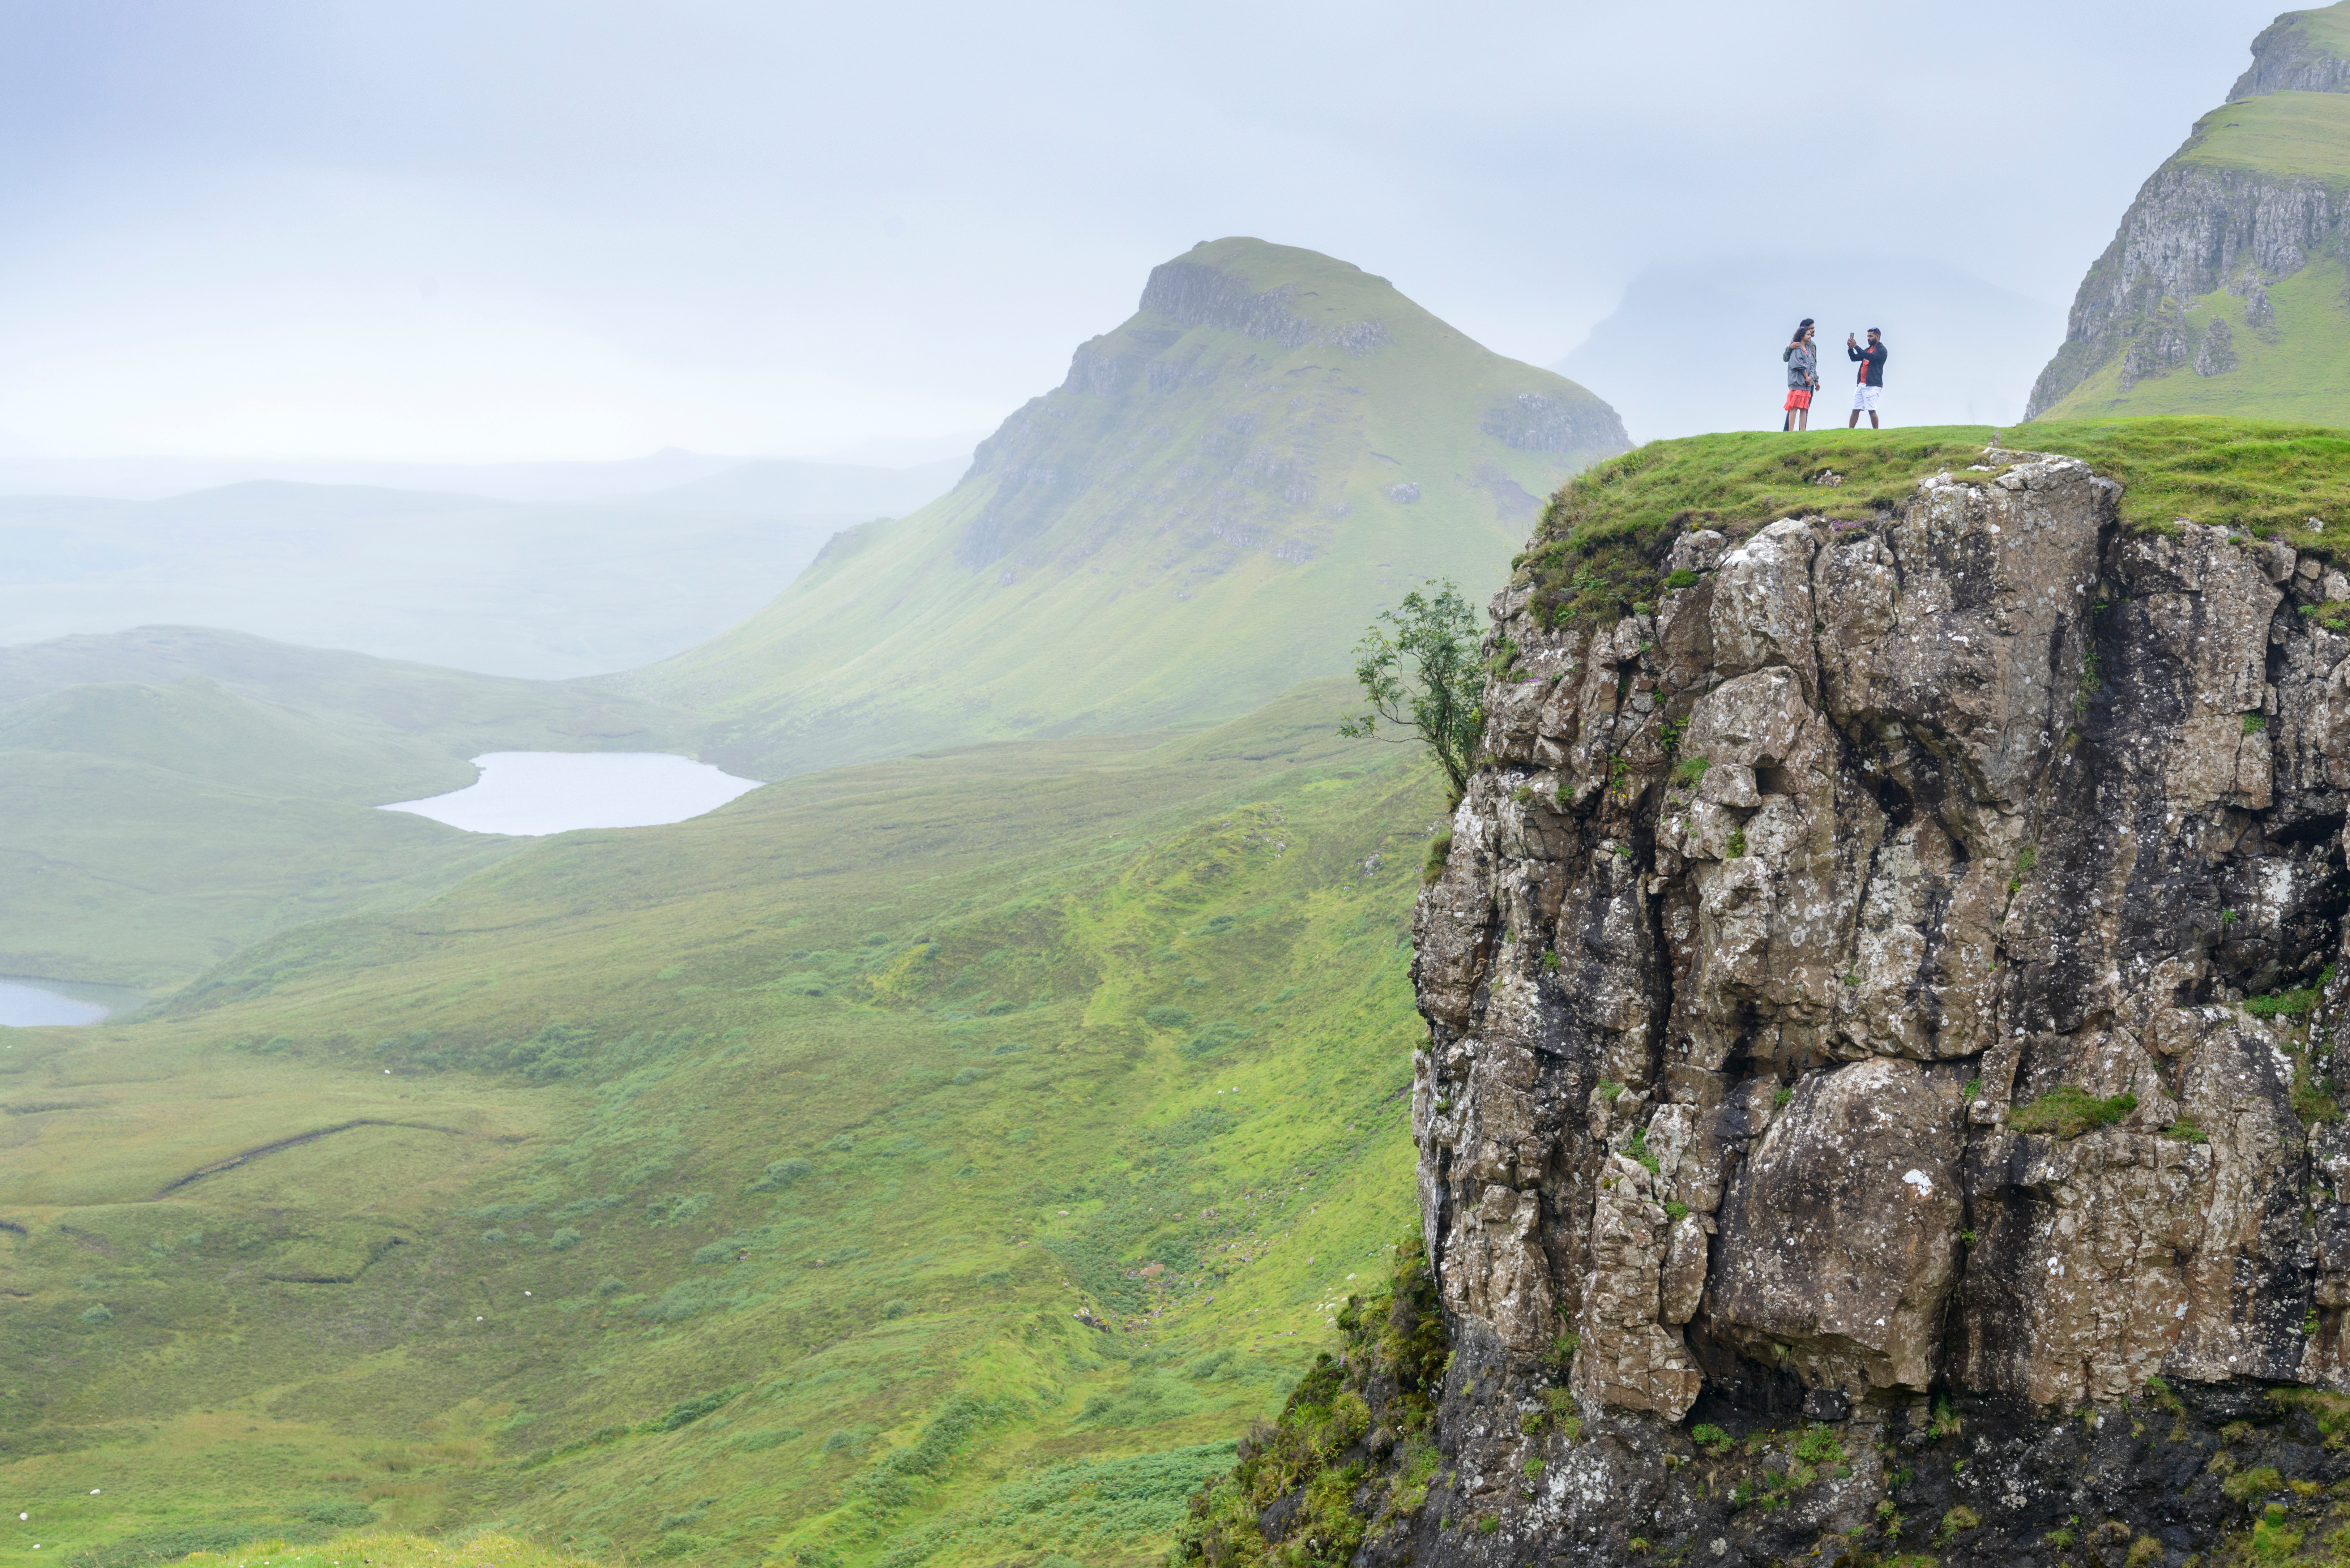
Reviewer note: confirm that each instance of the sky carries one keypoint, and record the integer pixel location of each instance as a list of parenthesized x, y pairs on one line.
[(510, 230)]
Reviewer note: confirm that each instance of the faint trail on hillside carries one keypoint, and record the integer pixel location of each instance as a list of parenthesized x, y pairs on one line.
[(236, 1159)]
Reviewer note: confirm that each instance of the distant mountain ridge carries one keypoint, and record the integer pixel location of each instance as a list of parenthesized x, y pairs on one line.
[(2223, 291), (1211, 505)]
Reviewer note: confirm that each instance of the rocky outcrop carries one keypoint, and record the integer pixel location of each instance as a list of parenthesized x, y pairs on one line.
[(2193, 231), (1888, 986), (2197, 229), (2288, 57)]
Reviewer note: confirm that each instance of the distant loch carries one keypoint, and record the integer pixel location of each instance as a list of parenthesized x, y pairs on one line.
[(530, 794)]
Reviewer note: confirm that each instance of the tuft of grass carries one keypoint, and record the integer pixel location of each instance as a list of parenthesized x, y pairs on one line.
[(2068, 1112), (1432, 866)]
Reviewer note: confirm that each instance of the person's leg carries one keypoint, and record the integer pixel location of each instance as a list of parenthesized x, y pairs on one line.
[(1853, 423), (1803, 416), (1872, 419)]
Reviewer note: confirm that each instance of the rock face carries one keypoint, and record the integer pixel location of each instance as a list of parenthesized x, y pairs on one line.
[(2225, 217), (1837, 1002)]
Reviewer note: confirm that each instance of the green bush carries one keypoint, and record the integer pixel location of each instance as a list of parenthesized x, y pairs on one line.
[(1216, 1037), (1166, 1017), (563, 1241), (97, 1317), (781, 1173), (687, 1411)]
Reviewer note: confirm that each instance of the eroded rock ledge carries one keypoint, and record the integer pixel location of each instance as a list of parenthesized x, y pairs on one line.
[(1852, 993)]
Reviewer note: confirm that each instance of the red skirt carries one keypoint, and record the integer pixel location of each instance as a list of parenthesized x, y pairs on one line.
[(1798, 397)]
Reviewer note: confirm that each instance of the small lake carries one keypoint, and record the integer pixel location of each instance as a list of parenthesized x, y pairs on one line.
[(527, 793), (25, 1005)]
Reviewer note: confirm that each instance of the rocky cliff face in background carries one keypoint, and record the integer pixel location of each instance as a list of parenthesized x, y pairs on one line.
[(2292, 54), (2210, 220), (1842, 1101)]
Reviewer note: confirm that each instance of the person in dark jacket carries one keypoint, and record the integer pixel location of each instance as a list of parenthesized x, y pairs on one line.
[(1870, 387), (1802, 377)]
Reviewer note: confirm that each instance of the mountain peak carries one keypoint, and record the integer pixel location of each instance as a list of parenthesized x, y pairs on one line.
[(1206, 510)]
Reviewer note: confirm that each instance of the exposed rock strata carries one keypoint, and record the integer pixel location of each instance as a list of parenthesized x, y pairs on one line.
[(2196, 230), (1779, 928)]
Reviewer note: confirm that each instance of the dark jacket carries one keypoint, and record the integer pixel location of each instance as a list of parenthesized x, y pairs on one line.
[(1872, 372)]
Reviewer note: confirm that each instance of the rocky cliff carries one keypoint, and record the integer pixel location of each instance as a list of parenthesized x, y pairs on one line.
[(2249, 204), (1838, 987), (1878, 1092)]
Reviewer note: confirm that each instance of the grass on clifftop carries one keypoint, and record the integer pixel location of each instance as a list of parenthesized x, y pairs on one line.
[(2284, 134), (1600, 548)]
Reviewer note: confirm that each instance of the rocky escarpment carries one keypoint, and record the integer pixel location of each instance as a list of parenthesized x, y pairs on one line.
[(2294, 54), (2192, 232), (2221, 217), (1881, 1033)]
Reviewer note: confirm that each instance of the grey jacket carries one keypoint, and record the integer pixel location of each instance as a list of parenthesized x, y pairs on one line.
[(1803, 364)]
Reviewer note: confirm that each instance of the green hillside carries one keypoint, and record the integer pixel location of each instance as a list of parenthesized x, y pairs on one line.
[(168, 795), (726, 1190), (2224, 291), (1209, 509)]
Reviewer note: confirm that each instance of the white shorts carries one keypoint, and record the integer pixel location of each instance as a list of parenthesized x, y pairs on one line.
[(1864, 398)]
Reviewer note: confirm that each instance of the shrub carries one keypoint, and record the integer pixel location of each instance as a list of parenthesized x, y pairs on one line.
[(97, 1317), (687, 1411), (1737, 843), (610, 1286), (1166, 1017), (563, 1241), (1425, 678), (1690, 770), (966, 1078), (1711, 1439), (781, 1173), (1215, 1038), (895, 1308)]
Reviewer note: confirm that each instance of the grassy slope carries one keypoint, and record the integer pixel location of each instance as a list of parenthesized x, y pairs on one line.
[(168, 795), (1165, 578), (969, 1014), (2298, 368), (1602, 542)]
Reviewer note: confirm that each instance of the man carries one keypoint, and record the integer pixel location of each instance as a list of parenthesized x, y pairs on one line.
[(1871, 385)]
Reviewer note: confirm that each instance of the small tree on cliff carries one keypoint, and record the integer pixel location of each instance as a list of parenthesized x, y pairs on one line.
[(1425, 678)]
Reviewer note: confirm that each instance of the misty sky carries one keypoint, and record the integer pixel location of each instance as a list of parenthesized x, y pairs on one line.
[(513, 229)]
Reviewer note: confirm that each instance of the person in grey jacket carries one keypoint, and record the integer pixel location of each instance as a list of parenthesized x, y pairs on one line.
[(1802, 377)]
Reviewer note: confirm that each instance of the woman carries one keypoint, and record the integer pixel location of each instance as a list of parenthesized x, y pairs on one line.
[(1802, 377)]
